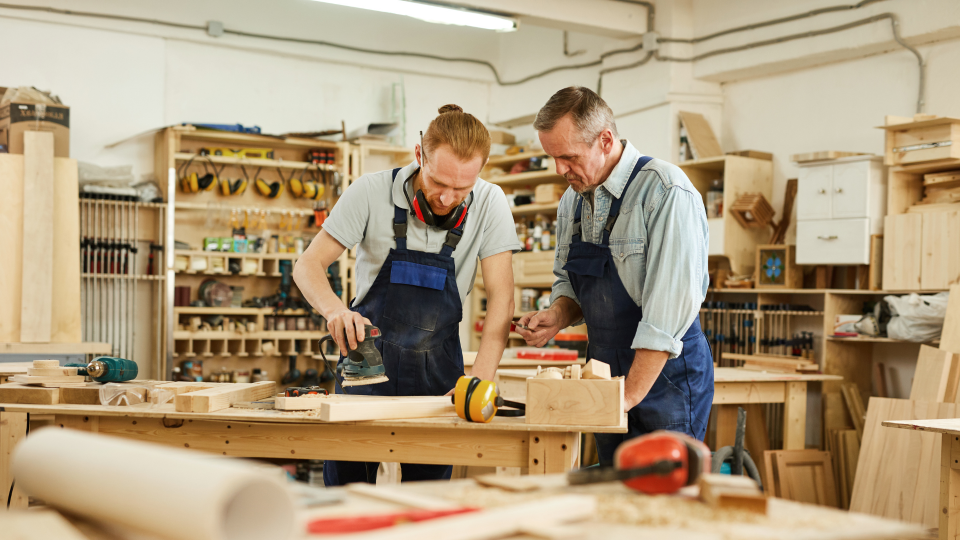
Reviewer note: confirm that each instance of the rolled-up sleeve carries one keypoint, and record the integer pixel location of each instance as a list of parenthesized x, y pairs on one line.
[(673, 289), (562, 285)]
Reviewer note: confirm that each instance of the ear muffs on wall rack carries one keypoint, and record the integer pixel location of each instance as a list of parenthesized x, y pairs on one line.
[(235, 187), (305, 189)]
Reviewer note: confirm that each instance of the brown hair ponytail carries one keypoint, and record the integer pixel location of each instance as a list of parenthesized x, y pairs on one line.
[(465, 135)]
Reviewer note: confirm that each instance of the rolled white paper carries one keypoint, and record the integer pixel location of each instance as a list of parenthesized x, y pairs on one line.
[(178, 494)]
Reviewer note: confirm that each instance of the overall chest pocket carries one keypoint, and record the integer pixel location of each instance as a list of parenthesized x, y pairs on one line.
[(416, 296)]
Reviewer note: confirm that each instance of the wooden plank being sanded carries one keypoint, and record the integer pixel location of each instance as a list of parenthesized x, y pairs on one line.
[(215, 399), (386, 409)]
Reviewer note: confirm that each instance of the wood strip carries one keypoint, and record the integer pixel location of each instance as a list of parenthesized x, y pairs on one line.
[(215, 399), (11, 244), (36, 297), (386, 409), (772, 478), (13, 429), (403, 498), (65, 325), (28, 379), (851, 396), (950, 338)]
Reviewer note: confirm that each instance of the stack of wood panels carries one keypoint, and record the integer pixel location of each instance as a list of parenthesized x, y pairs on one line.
[(49, 373)]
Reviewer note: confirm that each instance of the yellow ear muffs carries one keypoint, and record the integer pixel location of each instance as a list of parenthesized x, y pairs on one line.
[(236, 187), (188, 181), (312, 190), (297, 187), (270, 190), (206, 182), (191, 183)]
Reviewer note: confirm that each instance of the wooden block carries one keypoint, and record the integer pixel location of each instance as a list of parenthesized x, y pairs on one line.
[(36, 300), (752, 211), (806, 476), (215, 399), (575, 372), (936, 372), (584, 402), (358, 408), (303, 403), (940, 267), (51, 372), (732, 492), (80, 395), (548, 193), (18, 393), (46, 364), (902, 252), (595, 369), (702, 140), (27, 379), (941, 177), (950, 337)]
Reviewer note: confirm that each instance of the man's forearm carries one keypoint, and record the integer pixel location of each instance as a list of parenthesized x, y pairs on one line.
[(496, 328), (568, 311), (312, 281), (644, 371)]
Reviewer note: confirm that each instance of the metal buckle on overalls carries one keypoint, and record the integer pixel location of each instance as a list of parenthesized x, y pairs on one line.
[(452, 239), (400, 230)]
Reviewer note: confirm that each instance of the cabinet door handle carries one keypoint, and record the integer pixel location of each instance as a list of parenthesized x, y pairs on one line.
[(831, 237), (822, 191), (839, 190)]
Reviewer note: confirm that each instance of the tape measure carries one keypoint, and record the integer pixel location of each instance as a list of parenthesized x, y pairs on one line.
[(478, 400)]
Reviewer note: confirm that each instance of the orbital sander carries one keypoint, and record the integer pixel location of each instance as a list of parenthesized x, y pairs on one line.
[(363, 365)]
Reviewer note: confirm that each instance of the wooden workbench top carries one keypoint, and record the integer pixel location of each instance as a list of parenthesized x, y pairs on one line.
[(297, 417), (625, 514), (723, 374), (943, 425)]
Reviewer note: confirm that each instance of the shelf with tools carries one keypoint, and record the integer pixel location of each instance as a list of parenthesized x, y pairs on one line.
[(237, 246)]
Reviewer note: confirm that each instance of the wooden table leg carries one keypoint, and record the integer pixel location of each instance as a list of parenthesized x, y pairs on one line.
[(795, 416), (949, 487), (726, 426), (13, 429), (551, 452)]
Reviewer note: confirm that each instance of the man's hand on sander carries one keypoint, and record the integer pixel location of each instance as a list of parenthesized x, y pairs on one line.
[(353, 323)]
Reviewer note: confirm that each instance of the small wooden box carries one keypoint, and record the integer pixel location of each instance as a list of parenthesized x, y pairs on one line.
[(548, 193), (918, 141), (777, 267), (593, 402)]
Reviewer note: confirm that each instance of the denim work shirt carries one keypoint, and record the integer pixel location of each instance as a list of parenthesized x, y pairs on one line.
[(659, 246)]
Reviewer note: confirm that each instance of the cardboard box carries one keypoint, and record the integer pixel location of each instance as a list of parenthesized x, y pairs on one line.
[(502, 137), (17, 118), (548, 193)]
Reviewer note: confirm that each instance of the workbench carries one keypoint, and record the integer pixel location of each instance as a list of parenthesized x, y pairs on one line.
[(733, 387), (949, 429), (504, 442)]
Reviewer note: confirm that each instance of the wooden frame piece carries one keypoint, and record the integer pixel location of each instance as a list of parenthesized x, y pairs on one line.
[(214, 399), (575, 402), (776, 267), (806, 476)]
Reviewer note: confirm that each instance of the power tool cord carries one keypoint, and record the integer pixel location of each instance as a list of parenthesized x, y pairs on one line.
[(14, 481), (326, 366)]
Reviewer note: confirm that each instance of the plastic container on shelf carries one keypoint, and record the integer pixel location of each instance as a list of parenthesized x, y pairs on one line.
[(569, 341)]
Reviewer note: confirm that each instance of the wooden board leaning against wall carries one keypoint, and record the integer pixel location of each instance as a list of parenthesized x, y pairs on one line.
[(260, 343)]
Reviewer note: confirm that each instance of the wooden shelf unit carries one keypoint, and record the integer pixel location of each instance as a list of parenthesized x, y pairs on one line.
[(740, 175), (194, 216)]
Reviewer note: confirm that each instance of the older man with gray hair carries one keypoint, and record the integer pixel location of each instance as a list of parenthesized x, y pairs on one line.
[(631, 262)]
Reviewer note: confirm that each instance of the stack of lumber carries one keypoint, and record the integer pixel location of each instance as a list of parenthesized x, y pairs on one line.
[(49, 373), (774, 363), (801, 475), (898, 471)]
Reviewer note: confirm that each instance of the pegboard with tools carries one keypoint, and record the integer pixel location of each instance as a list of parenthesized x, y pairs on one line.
[(122, 281), (748, 328)]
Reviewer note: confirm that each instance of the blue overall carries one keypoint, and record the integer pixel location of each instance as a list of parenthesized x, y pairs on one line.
[(415, 302), (680, 398)]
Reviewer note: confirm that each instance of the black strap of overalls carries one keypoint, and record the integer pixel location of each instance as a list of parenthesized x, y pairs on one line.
[(400, 228), (614, 207)]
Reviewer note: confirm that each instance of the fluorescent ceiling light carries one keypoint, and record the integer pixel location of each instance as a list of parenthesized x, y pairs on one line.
[(434, 13)]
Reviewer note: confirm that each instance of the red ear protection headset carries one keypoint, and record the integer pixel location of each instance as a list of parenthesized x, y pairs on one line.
[(421, 208)]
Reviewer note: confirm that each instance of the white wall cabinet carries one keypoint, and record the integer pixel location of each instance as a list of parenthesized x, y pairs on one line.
[(840, 203)]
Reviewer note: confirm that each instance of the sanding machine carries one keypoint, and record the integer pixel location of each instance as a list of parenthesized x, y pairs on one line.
[(362, 365)]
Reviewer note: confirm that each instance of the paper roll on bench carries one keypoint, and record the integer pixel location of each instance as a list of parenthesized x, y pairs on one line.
[(165, 491)]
